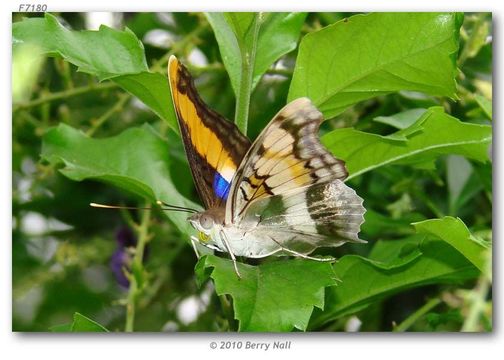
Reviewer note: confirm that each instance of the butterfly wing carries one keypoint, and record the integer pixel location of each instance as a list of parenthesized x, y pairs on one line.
[(290, 187), (326, 214), (286, 155), (213, 145)]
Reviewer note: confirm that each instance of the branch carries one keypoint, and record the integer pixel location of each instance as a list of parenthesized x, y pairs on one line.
[(413, 318), (477, 299), (137, 270), (247, 76), (118, 106), (64, 94)]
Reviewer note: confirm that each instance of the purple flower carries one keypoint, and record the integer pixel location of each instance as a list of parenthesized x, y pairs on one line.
[(120, 263), (121, 259), (125, 237)]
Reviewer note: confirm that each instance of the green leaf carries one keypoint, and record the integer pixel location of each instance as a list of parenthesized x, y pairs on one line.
[(411, 263), (376, 224), (473, 186), (108, 54), (61, 328), (388, 255), (455, 232), (439, 134), (403, 119), (370, 55), (458, 173), (80, 324), (485, 105), (105, 53), (153, 90), (136, 160), (84, 324), (273, 296), (26, 66), (278, 35), (403, 134)]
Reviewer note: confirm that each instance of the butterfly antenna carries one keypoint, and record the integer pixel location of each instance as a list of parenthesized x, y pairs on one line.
[(175, 207), (102, 206), (170, 208)]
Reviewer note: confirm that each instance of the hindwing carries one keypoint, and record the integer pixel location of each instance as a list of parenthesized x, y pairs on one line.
[(325, 214)]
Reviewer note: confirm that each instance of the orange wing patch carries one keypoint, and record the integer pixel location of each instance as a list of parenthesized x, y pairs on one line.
[(204, 141)]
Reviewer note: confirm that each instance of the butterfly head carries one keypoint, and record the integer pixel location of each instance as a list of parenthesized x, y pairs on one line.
[(207, 223), (202, 222)]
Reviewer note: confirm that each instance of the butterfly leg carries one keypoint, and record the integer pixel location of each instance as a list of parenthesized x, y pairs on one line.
[(194, 240), (228, 248), (295, 253)]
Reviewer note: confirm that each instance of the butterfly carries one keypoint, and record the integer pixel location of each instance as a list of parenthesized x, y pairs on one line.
[(282, 194)]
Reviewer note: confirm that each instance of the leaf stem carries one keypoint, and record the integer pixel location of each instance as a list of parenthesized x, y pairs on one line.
[(137, 266), (468, 47), (410, 320), (227, 309), (282, 72), (247, 76), (478, 301), (129, 219), (64, 94), (428, 202), (118, 106), (160, 64)]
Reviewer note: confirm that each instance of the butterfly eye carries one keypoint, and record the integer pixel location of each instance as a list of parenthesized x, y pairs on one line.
[(206, 222)]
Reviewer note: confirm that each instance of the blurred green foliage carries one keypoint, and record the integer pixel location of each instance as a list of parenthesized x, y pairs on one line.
[(418, 153)]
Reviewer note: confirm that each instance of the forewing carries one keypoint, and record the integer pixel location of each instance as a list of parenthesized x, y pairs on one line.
[(287, 155), (214, 146)]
